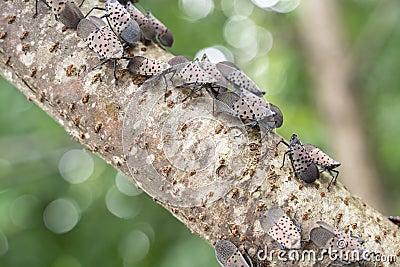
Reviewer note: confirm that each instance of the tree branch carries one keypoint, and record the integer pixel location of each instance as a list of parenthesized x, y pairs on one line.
[(53, 69)]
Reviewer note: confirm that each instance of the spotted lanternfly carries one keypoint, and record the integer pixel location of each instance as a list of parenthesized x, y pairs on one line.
[(281, 228), (192, 73), (247, 107), (164, 35), (65, 11), (178, 60), (324, 161), (148, 32), (347, 248), (395, 220), (302, 163), (228, 255), (212, 70), (266, 122), (188, 75), (238, 79), (122, 22), (101, 39), (146, 66)]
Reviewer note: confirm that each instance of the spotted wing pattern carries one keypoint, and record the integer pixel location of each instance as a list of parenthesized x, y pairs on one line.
[(57, 6), (303, 165), (146, 66), (118, 16), (146, 27), (281, 228), (320, 158), (192, 73), (104, 42), (163, 33), (228, 255), (238, 78), (347, 248), (244, 108), (121, 22), (212, 70)]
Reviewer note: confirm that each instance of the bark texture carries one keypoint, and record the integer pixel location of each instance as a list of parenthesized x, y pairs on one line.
[(223, 196)]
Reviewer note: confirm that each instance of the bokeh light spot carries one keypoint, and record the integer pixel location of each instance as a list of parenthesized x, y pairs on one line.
[(240, 32), (237, 7), (23, 209), (3, 244), (76, 166), (145, 228), (242, 7), (134, 247), (264, 40), (196, 9), (126, 186), (121, 205), (286, 6), (265, 3), (61, 216)]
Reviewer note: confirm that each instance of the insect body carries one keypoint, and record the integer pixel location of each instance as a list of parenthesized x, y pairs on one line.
[(164, 35), (146, 27), (190, 74), (243, 98), (228, 255), (250, 108), (65, 11), (239, 80), (324, 161), (303, 165), (122, 22), (212, 70), (281, 228), (178, 60), (346, 248), (101, 39), (146, 66)]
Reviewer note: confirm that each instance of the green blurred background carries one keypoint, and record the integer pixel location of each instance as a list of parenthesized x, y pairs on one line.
[(61, 206)]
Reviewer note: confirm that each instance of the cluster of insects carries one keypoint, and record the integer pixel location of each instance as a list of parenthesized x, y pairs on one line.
[(233, 93), (241, 98), (223, 81), (287, 234), (126, 25)]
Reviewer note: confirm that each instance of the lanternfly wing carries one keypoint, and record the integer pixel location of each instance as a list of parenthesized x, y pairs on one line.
[(228, 255)]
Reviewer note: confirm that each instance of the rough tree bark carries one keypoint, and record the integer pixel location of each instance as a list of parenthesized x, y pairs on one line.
[(53, 69)]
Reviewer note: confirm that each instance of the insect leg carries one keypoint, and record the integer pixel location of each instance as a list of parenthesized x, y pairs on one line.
[(284, 157), (95, 8), (80, 5), (334, 177), (283, 142), (248, 257), (115, 69)]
